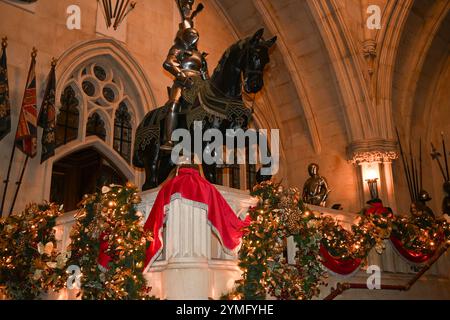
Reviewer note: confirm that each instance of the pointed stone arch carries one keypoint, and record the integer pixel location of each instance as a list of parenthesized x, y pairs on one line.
[(122, 59), (140, 96)]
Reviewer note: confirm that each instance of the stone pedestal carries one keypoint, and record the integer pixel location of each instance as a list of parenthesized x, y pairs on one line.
[(193, 265)]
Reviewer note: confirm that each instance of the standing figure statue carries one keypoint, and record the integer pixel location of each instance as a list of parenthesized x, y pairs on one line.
[(420, 208), (185, 62), (315, 190)]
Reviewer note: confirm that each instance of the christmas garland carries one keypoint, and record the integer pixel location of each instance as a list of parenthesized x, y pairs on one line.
[(280, 214), (29, 261), (108, 244)]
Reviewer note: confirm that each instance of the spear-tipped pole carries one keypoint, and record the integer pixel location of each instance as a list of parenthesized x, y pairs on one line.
[(110, 9), (411, 158), (132, 6), (106, 12), (420, 164), (436, 156), (121, 13), (444, 149), (405, 165), (116, 7)]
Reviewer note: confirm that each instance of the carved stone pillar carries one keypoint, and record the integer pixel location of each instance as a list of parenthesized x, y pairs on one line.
[(373, 159)]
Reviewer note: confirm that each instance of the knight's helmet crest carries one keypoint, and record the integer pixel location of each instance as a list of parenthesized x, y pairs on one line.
[(187, 13)]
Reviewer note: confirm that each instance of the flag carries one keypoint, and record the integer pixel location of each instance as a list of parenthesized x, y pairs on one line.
[(47, 117), (5, 108), (26, 134)]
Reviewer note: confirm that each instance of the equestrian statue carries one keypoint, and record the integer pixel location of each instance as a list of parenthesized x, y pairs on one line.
[(215, 101)]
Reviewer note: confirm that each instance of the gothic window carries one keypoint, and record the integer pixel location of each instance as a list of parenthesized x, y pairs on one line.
[(96, 126), (100, 73), (68, 118), (109, 94), (123, 132), (88, 88), (103, 95)]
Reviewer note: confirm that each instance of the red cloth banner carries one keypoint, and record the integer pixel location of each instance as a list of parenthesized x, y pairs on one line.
[(191, 186), (26, 134), (415, 257), (338, 265), (103, 258)]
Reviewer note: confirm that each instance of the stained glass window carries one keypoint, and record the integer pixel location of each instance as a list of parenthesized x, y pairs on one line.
[(100, 73), (123, 132), (88, 88), (68, 117), (96, 126)]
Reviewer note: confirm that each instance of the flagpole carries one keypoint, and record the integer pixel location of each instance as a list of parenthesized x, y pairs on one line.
[(33, 57), (19, 183), (6, 181)]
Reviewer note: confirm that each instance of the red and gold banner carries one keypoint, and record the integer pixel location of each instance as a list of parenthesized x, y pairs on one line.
[(26, 134)]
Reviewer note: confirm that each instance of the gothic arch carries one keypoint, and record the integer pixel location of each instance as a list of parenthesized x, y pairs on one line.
[(140, 95), (115, 52)]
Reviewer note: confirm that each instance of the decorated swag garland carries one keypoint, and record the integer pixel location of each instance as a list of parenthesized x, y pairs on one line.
[(108, 245), (280, 213), (28, 257)]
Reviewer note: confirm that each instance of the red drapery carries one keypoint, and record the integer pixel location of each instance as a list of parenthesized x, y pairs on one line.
[(103, 258), (191, 186), (410, 255), (337, 265)]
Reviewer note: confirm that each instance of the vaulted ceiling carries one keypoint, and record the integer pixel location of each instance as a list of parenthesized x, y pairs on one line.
[(337, 86)]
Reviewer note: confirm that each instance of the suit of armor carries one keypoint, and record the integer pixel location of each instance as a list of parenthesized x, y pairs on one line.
[(184, 62), (315, 190)]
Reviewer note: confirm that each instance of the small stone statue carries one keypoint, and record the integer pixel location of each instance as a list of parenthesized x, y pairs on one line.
[(420, 207), (315, 190), (446, 202)]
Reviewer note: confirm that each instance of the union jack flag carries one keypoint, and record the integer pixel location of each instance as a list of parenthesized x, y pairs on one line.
[(26, 134)]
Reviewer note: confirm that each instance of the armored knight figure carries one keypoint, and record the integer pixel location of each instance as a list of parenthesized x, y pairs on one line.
[(420, 207), (185, 62), (315, 190)]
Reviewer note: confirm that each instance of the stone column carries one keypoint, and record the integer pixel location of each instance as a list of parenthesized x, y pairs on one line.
[(373, 159)]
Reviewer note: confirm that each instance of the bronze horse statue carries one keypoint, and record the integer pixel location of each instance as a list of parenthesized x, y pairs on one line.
[(216, 102)]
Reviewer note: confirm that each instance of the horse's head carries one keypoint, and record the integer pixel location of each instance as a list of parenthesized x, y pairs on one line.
[(255, 58)]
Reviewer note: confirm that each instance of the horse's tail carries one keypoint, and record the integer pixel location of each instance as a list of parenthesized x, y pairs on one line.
[(141, 140)]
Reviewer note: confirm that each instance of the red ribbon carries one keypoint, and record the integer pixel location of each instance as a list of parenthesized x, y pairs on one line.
[(338, 265), (103, 258), (410, 255)]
